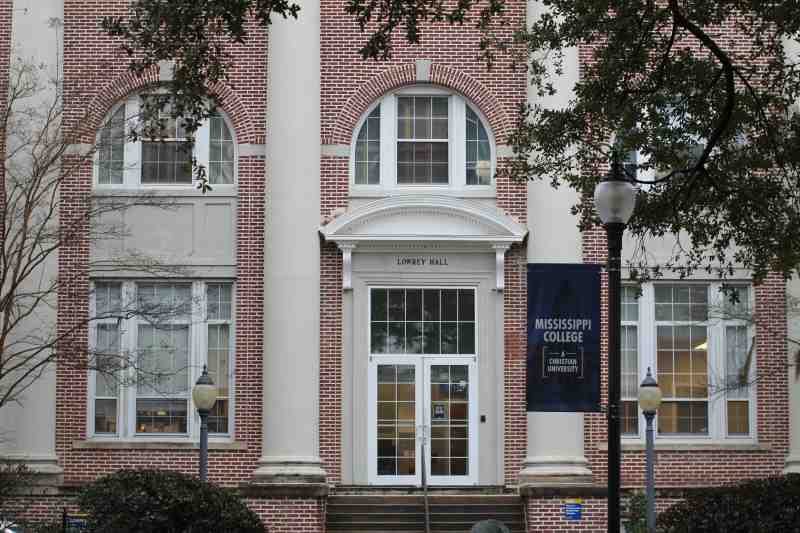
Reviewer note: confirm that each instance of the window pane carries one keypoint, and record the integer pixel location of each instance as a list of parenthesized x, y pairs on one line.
[(111, 149), (630, 362), (166, 162), (108, 298), (163, 359), (218, 358), (630, 418), (396, 439), (368, 152), (737, 366), (422, 118), (105, 415), (683, 418), (107, 360), (218, 301), (417, 323), (221, 156), (160, 416), (738, 418), (478, 161)]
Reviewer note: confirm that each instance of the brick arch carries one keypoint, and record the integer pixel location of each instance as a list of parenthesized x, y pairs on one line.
[(245, 130), (447, 77)]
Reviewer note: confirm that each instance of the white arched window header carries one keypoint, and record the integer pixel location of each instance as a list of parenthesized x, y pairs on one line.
[(164, 162), (422, 138)]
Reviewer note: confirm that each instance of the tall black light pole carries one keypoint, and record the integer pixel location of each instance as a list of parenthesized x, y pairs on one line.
[(204, 395), (614, 199)]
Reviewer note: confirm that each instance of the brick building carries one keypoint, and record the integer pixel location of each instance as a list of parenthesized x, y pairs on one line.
[(359, 291)]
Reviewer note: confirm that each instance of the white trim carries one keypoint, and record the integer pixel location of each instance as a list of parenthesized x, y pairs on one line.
[(388, 142), (198, 353), (482, 223), (131, 179), (717, 402), (422, 374)]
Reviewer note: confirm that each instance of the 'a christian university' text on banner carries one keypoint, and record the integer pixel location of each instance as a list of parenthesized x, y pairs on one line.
[(563, 337)]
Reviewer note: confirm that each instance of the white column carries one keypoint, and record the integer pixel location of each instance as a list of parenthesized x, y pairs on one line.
[(28, 428), (555, 453), (793, 318), (290, 449)]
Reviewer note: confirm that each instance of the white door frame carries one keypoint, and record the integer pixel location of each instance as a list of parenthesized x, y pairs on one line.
[(372, 409), (422, 375), (472, 419)]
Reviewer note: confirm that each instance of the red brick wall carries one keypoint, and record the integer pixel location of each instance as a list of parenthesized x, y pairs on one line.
[(290, 515), (546, 515), (95, 77), (349, 86), (709, 467)]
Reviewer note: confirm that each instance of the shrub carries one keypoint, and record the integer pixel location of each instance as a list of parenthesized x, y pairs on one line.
[(149, 501), (771, 504)]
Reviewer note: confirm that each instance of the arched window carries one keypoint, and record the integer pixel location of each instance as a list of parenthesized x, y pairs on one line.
[(422, 137), (165, 160)]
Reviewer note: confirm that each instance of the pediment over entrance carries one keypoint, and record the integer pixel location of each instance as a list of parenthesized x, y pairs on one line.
[(422, 219)]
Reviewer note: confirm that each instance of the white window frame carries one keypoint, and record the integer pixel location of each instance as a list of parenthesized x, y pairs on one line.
[(132, 167), (717, 401), (457, 153), (198, 353)]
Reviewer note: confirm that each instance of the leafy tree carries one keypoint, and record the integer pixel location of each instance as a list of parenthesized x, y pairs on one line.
[(40, 162), (703, 91)]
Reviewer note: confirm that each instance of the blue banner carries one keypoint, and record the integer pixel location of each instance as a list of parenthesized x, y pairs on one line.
[(563, 338)]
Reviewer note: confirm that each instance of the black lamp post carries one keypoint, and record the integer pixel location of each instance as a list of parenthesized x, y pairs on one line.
[(204, 395), (614, 199)]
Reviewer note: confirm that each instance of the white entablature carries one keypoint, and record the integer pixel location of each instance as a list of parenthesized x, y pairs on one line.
[(426, 220)]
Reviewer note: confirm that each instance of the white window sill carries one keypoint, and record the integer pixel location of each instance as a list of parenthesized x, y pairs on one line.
[(116, 444), (181, 191), (688, 446), (376, 191)]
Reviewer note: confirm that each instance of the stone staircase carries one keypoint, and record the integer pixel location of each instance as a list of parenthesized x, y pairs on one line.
[(405, 513)]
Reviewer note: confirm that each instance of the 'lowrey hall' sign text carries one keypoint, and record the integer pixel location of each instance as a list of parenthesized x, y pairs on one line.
[(421, 260), (563, 337)]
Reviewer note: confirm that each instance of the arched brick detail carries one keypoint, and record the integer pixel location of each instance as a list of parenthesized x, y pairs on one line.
[(244, 128), (393, 78), (477, 93)]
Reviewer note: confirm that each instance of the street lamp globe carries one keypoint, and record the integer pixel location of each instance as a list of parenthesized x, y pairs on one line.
[(204, 392), (615, 197), (649, 394)]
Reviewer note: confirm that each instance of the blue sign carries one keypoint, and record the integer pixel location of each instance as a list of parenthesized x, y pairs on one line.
[(573, 509), (74, 523), (563, 338)]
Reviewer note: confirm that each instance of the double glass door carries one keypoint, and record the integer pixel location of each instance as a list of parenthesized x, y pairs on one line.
[(422, 407)]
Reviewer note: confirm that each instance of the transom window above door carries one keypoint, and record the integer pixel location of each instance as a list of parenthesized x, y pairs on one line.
[(422, 138), (422, 321)]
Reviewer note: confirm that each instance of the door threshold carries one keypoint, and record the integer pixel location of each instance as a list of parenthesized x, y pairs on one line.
[(417, 491)]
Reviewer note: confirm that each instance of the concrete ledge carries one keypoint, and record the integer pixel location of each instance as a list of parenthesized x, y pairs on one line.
[(575, 491), (153, 445), (601, 491), (692, 447), (284, 490)]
